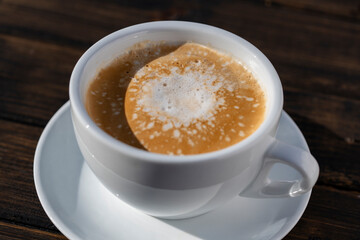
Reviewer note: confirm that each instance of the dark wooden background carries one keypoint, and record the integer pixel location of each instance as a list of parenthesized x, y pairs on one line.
[(313, 44)]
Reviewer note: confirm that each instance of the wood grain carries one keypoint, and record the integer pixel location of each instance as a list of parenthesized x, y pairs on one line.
[(34, 78), (307, 49), (314, 45), (348, 8), (9, 231), (338, 158), (77, 23), (18, 199), (325, 217)]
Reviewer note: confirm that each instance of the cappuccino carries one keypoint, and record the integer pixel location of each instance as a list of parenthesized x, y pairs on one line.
[(176, 99)]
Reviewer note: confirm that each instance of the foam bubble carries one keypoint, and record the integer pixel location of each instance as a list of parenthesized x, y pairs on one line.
[(167, 126), (176, 133), (150, 125)]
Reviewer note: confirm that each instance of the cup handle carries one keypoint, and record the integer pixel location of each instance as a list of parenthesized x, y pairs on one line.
[(299, 159)]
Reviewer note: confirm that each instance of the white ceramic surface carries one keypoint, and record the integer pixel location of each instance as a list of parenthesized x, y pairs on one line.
[(186, 186), (82, 208)]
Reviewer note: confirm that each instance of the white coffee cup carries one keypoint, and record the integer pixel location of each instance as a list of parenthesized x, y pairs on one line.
[(186, 186)]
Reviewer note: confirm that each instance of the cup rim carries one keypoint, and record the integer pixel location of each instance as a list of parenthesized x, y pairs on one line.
[(79, 111)]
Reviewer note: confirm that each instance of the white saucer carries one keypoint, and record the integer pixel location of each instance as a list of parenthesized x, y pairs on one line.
[(82, 208)]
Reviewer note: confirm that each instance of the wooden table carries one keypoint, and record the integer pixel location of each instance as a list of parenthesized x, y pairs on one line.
[(314, 45)]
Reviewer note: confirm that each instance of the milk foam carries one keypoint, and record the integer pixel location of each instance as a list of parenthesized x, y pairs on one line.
[(193, 100), (182, 96)]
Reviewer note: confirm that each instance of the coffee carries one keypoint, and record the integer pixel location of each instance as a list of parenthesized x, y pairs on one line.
[(176, 99), (105, 96)]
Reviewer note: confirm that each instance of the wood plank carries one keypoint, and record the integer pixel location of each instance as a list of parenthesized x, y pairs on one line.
[(78, 23), (340, 116), (348, 8), (34, 78), (331, 214), (316, 79), (311, 52), (9, 231), (330, 127), (18, 199)]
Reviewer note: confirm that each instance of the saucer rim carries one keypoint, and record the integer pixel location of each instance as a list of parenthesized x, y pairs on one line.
[(49, 210), (69, 233)]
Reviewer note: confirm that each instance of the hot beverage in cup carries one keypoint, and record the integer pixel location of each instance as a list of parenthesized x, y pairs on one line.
[(176, 98), (178, 118)]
